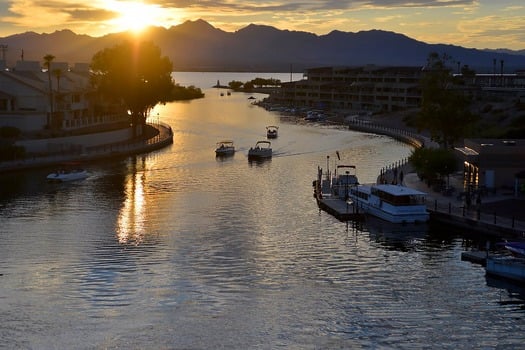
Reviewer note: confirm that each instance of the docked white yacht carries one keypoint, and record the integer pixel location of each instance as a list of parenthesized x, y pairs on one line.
[(393, 203)]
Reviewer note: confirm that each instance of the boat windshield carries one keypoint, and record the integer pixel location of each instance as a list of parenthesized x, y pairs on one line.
[(399, 200)]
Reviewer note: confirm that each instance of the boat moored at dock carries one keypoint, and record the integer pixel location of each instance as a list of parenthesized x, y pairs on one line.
[(393, 203), (331, 192), (507, 267)]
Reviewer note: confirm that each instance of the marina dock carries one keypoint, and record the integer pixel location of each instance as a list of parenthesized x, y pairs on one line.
[(475, 256), (340, 209), (329, 199)]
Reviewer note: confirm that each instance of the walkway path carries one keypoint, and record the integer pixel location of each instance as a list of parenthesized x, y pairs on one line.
[(500, 213)]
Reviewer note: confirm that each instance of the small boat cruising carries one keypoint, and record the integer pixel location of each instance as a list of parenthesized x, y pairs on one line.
[(392, 203), (225, 148), (271, 131), (67, 175), (261, 150)]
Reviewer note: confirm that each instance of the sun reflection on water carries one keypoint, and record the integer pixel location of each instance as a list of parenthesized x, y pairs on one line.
[(131, 219)]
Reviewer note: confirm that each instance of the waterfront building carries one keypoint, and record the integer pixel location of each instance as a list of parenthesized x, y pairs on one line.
[(493, 163), (33, 100), (375, 89), (369, 88)]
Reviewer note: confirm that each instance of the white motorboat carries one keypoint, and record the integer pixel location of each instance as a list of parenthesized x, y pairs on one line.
[(225, 148), (261, 150), (67, 175), (271, 131), (393, 203)]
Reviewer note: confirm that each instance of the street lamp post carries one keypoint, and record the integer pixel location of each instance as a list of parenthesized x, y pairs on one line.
[(346, 190)]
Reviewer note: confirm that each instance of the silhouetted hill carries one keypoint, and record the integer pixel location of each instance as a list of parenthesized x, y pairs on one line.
[(198, 46)]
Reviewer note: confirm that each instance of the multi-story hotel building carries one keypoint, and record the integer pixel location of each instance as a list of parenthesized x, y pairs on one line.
[(384, 89), (368, 88)]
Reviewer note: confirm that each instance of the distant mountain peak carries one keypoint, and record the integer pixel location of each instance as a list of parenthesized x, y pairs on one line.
[(198, 24), (198, 45), (252, 27)]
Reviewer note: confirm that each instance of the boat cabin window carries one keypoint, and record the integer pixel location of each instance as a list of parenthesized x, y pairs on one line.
[(359, 194), (408, 199)]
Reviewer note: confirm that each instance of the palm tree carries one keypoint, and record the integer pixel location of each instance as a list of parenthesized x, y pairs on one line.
[(58, 74), (47, 64), (59, 114)]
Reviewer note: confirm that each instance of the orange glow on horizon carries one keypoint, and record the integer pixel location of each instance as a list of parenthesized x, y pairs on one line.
[(135, 16)]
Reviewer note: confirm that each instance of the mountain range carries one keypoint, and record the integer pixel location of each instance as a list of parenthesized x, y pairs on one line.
[(198, 46)]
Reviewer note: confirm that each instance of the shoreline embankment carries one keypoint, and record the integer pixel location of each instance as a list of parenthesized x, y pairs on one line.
[(161, 136)]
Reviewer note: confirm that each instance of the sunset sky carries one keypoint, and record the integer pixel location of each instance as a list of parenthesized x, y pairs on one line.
[(469, 23)]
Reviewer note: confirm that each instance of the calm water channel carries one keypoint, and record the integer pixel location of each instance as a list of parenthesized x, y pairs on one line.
[(179, 250)]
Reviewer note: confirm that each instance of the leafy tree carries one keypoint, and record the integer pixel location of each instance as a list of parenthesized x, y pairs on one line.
[(262, 82), (186, 93), (444, 109), (135, 75), (433, 163), (248, 86), (467, 72), (235, 84)]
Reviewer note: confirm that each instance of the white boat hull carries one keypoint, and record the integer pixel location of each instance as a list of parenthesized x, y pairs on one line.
[(67, 176), (506, 267), (411, 216), (395, 211)]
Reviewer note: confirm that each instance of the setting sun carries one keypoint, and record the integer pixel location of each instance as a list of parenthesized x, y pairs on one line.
[(135, 16)]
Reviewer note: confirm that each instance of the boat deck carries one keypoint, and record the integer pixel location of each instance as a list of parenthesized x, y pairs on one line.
[(340, 209), (475, 256)]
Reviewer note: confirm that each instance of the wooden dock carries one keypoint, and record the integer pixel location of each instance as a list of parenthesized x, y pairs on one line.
[(475, 256), (333, 205), (340, 209)]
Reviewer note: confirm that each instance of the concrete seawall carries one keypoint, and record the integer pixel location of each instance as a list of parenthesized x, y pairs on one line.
[(97, 150), (402, 135)]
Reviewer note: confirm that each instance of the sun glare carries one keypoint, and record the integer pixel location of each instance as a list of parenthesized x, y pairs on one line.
[(135, 16)]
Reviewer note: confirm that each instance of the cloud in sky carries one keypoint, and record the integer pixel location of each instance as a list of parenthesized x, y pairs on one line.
[(471, 23)]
